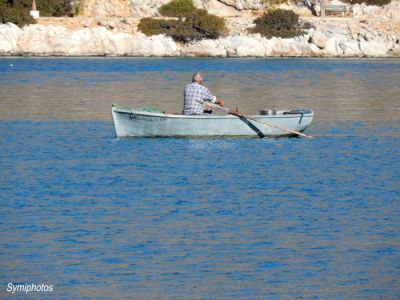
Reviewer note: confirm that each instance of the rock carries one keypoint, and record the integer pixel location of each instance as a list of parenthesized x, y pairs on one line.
[(158, 45), (9, 35), (319, 39), (205, 48), (107, 24), (108, 8), (350, 48), (220, 9), (357, 10), (371, 9), (332, 48), (85, 23), (336, 31), (392, 11), (288, 47), (98, 41), (244, 4), (239, 26), (395, 51), (33, 40), (242, 46), (313, 50), (310, 32), (374, 48), (57, 39), (145, 8), (364, 35), (269, 46), (120, 44), (87, 41)]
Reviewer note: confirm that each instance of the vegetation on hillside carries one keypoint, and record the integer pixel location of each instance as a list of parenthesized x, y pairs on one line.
[(177, 8), (55, 8), (151, 26), (47, 8), (192, 24), (18, 15), (278, 23), (17, 12)]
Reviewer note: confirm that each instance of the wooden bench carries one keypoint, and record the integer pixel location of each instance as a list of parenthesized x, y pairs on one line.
[(331, 8)]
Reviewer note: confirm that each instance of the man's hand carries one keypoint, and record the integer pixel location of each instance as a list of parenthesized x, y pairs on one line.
[(220, 102), (235, 112)]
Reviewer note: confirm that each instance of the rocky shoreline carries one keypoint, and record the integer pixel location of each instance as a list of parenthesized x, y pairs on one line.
[(371, 32)]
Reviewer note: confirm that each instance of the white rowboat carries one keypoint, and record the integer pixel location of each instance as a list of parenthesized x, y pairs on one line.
[(139, 123)]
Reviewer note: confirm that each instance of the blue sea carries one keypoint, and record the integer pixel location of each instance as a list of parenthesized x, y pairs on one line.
[(98, 217)]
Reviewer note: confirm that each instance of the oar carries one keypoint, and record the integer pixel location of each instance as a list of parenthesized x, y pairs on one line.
[(227, 110)]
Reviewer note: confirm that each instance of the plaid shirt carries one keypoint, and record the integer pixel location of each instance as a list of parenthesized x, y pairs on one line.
[(194, 95)]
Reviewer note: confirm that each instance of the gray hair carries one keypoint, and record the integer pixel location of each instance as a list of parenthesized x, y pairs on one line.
[(195, 75)]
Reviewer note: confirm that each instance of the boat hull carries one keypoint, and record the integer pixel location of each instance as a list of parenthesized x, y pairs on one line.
[(135, 123)]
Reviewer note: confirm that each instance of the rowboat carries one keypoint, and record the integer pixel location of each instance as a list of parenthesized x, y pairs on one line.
[(150, 123)]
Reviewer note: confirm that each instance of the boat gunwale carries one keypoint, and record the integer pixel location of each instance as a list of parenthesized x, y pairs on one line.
[(197, 117)]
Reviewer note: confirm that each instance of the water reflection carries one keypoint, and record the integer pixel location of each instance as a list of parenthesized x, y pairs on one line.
[(365, 90)]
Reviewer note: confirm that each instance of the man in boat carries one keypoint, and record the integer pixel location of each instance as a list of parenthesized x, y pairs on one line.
[(196, 95)]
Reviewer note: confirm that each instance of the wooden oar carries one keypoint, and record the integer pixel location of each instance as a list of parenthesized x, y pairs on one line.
[(238, 114)]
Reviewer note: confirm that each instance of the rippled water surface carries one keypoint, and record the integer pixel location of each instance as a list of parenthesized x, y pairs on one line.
[(100, 217)]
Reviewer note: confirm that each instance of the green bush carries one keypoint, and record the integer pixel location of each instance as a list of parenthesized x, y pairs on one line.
[(278, 23), (17, 12), (198, 25), (209, 26), (150, 26), (369, 2), (55, 8), (306, 25), (177, 8), (17, 15)]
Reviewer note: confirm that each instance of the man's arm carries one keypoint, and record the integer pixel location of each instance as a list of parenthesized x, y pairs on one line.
[(208, 96), (219, 101)]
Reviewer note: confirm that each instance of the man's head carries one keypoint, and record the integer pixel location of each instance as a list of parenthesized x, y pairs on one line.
[(197, 77)]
